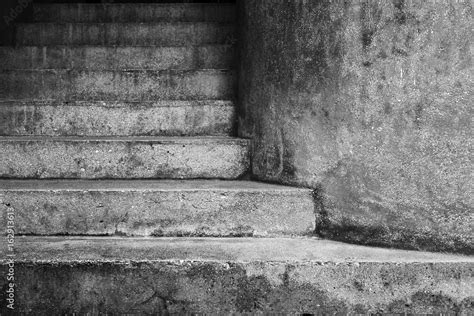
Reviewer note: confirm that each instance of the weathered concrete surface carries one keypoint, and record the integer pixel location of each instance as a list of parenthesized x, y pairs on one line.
[(82, 118), (370, 105), (136, 85), (222, 276), (134, 12), (119, 57), (135, 34), (123, 158), (156, 208)]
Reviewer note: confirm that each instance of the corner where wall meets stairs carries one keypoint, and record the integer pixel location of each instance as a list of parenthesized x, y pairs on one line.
[(129, 193)]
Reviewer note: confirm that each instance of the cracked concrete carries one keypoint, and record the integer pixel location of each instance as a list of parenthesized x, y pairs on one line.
[(158, 208), (237, 275), (369, 103), (123, 158)]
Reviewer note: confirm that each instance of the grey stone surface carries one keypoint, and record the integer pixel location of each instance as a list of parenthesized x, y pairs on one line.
[(124, 34), (118, 57), (156, 208), (82, 118), (370, 104), (134, 12), (105, 85), (123, 157), (221, 276)]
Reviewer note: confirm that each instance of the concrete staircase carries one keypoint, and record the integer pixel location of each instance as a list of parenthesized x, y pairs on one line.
[(121, 177)]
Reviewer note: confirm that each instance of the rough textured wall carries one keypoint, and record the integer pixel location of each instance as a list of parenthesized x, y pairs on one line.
[(370, 104)]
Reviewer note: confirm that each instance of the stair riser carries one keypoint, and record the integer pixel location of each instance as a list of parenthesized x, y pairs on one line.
[(137, 12), (221, 288), (123, 159), (116, 58), (135, 34), (161, 213), (92, 119), (116, 85)]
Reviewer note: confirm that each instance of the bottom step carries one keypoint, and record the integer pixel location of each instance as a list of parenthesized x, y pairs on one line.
[(156, 208), (222, 276)]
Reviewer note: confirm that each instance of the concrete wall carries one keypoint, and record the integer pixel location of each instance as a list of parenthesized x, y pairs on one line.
[(370, 104), (12, 11)]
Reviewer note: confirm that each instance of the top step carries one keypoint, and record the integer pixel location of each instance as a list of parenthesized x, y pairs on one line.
[(134, 12)]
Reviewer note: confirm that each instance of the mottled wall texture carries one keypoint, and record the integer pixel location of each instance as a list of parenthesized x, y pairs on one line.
[(369, 103)]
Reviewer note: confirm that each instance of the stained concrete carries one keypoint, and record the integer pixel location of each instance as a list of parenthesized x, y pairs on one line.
[(157, 208), (124, 34), (370, 104), (82, 118), (216, 276), (117, 57), (109, 85), (123, 157), (133, 12)]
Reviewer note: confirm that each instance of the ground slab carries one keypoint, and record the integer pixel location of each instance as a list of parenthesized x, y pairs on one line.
[(215, 276)]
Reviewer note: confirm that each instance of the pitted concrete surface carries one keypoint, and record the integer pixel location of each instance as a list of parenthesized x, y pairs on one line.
[(324, 65), (124, 34), (153, 118), (133, 12), (123, 157), (156, 208), (117, 57), (216, 276), (130, 85), (370, 104)]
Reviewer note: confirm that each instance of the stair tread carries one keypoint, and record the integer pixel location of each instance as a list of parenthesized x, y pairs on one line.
[(212, 56), (116, 118), (134, 12), (116, 103), (145, 185), (124, 33), (168, 4), (160, 139), (73, 46), (164, 71), (112, 85), (306, 250), (157, 208), (128, 23), (142, 157)]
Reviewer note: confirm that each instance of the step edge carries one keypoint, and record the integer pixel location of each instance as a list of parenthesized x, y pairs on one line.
[(10, 103), (213, 23), (162, 185), (146, 139), (296, 245)]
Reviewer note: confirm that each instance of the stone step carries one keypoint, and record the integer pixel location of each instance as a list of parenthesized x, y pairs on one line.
[(103, 85), (125, 34), (156, 208), (123, 158), (89, 118), (117, 57), (136, 12), (214, 276)]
